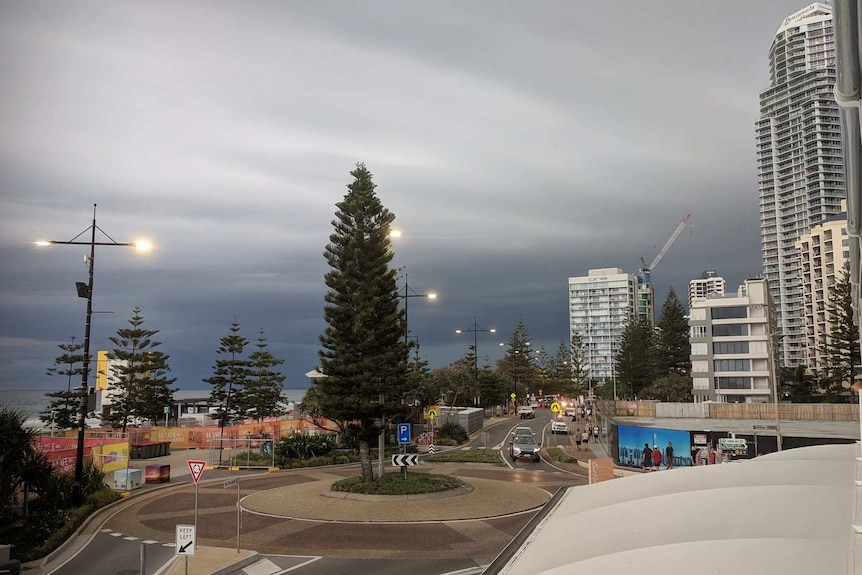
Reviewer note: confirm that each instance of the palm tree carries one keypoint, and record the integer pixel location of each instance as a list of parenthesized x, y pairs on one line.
[(20, 462)]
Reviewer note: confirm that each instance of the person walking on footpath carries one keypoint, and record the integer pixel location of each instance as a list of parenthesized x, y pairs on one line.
[(656, 458), (578, 437), (585, 439), (694, 451), (646, 458), (595, 434), (668, 455)]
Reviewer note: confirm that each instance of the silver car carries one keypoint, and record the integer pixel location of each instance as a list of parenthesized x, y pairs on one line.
[(524, 448)]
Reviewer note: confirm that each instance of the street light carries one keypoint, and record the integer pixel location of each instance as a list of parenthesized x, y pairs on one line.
[(475, 329), (86, 291), (408, 293), (774, 338)]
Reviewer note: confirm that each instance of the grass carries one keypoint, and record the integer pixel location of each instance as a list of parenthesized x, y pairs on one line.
[(396, 484), (557, 454), (467, 456)]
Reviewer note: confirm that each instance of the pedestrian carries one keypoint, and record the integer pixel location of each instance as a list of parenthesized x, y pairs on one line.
[(711, 457), (698, 457), (585, 439), (668, 455), (595, 433), (646, 458), (656, 458), (694, 451), (578, 438)]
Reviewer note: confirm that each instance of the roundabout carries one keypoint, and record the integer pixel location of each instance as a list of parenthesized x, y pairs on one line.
[(313, 501)]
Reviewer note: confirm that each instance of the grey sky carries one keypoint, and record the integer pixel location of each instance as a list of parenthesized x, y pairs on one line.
[(518, 144)]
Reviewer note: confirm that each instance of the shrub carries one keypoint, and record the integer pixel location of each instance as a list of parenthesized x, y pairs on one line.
[(453, 431), (557, 454), (471, 456), (303, 446), (396, 484)]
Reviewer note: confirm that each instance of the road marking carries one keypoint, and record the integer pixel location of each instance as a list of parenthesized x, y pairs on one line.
[(106, 530), (149, 541), (262, 567), (169, 544), (131, 538), (116, 534)]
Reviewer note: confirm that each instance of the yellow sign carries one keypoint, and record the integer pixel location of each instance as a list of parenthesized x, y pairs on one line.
[(432, 413), (513, 396), (555, 407)]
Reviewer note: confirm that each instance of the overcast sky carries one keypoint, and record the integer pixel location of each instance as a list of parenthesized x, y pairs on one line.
[(517, 143)]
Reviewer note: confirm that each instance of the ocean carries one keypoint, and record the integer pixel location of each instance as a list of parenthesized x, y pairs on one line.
[(33, 401)]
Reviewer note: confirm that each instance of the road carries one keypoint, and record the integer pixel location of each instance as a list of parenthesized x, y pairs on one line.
[(311, 546)]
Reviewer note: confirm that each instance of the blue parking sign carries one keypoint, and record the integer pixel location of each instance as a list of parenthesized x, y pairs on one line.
[(404, 433)]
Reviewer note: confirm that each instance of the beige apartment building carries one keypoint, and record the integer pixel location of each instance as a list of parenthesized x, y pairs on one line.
[(824, 252)]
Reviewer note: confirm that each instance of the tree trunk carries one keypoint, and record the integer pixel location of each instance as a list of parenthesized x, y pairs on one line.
[(365, 461)]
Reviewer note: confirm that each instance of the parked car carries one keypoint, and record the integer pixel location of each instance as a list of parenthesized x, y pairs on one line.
[(560, 426), (526, 412), (524, 448)]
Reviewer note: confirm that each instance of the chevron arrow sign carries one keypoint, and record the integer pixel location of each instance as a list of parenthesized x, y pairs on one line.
[(405, 460)]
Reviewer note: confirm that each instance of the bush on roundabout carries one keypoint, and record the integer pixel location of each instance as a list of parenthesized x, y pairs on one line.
[(396, 484)]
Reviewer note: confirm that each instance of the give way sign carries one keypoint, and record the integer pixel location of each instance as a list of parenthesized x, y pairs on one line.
[(197, 469)]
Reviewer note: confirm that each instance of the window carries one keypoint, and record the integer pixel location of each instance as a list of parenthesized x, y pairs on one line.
[(729, 312), (698, 314), (698, 331), (729, 329), (732, 383), (732, 365), (699, 349), (700, 366), (727, 347), (700, 382)]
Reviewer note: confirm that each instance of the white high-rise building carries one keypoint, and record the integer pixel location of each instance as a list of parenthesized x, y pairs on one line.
[(705, 286), (730, 346), (799, 160), (600, 305)]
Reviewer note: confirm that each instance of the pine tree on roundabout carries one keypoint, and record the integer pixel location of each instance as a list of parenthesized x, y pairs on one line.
[(261, 396), (363, 356)]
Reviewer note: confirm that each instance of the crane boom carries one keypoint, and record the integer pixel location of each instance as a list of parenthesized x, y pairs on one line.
[(669, 243), (645, 271)]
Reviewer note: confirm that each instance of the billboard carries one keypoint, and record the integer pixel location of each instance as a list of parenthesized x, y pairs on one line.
[(631, 442)]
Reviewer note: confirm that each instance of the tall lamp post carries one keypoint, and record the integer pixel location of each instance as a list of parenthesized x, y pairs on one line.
[(86, 291), (475, 329), (773, 342), (408, 293)]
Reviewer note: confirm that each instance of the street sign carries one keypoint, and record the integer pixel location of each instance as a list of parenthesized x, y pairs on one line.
[(732, 444), (185, 540), (433, 413), (197, 469), (772, 427), (555, 407), (404, 434), (513, 396), (699, 438), (405, 460), (167, 410), (231, 482)]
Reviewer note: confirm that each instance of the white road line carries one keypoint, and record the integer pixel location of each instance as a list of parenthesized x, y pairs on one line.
[(300, 566), (116, 534), (149, 541), (169, 544), (131, 538), (262, 567), (106, 530)]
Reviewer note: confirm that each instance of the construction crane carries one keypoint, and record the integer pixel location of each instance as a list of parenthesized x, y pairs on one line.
[(646, 269)]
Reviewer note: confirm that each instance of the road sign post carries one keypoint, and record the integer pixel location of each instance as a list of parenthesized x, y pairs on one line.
[(404, 433), (197, 469), (185, 541), (230, 483)]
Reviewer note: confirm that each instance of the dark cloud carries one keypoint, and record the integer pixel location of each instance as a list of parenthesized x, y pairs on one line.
[(518, 144)]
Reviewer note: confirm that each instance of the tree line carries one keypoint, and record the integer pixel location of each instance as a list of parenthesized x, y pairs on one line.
[(244, 385)]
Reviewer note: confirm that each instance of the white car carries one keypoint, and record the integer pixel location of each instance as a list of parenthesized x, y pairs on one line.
[(559, 426)]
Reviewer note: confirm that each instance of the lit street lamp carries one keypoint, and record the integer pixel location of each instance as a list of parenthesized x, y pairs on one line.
[(408, 293), (86, 291), (475, 328)]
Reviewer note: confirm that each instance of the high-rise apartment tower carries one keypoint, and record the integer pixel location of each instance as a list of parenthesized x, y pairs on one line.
[(799, 161)]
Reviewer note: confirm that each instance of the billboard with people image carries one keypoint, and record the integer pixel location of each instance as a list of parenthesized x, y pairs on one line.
[(653, 449)]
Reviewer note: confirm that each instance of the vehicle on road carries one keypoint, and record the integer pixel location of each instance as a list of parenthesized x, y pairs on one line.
[(560, 426), (524, 432), (526, 412), (524, 448)]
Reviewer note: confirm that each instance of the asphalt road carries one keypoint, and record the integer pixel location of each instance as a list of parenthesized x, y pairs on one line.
[(313, 547)]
